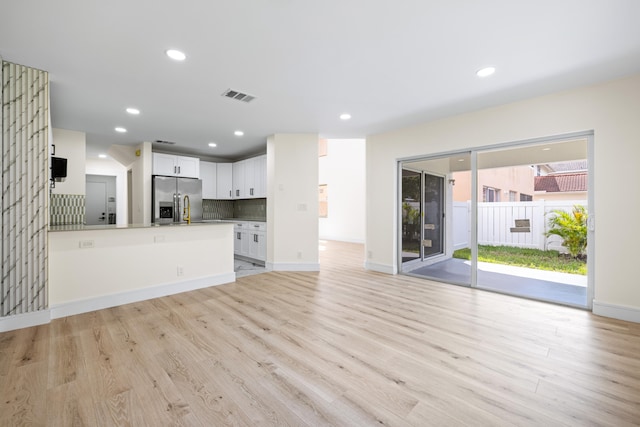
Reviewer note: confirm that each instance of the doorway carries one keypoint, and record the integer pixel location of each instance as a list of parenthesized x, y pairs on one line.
[(422, 215), (492, 203), (100, 202)]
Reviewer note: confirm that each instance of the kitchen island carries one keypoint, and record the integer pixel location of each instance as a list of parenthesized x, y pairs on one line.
[(95, 267)]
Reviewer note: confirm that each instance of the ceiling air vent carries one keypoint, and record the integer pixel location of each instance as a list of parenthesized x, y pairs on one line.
[(234, 94), (159, 141)]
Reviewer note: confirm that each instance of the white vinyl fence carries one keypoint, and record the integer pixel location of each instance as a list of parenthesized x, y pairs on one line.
[(497, 223)]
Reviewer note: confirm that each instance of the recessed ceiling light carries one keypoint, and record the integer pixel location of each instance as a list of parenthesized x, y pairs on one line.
[(345, 116), (546, 149), (102, 156), (121, 129), (213, 144), (238, 133), (461, 160), (486, 72), (133, 111), (176, 55)]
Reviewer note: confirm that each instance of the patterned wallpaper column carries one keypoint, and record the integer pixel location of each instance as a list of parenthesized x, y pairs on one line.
[(25, 186)]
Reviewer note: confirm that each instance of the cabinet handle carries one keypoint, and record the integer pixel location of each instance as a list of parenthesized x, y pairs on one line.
[(238, 236), (178, 169), (251, 191), (175, 169), (229, 193), (238, 193)]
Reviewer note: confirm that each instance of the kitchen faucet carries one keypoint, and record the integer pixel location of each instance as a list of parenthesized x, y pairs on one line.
[(186, 212)]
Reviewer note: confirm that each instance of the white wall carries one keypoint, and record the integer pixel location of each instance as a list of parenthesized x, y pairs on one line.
[(111, 167), (141, 188), (71, 145), (609, 109), (131, 264), (343, 170), (292, 207)]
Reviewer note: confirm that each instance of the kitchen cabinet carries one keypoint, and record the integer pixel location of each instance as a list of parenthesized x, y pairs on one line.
[(260, 177), (250, 240), (208, 175), (250, 178), (224, 180), (239, 190), (172, 165)]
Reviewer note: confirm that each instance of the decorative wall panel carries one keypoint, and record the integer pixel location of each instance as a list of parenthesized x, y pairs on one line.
[(25, 186), (66, 209)]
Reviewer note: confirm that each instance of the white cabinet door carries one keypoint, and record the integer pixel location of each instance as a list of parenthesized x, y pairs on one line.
[(208, 175), (260, 167), (188, 167), (261, 245), (172, 165), (237, 241), (224, 175), (164, 164), (238, 180), (249, 178)]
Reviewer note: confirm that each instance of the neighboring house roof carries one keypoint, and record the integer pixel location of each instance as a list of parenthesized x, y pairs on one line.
[(561, 183), (564, 167)]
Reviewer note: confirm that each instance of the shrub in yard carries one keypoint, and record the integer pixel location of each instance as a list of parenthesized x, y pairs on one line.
[(571, 227)]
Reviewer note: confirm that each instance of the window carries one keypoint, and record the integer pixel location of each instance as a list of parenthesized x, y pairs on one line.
[(322, 198), (490, 194), (513, 196), (525, 197)]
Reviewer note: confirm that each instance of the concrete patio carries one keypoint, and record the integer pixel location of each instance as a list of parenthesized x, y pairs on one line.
[(561, 288)]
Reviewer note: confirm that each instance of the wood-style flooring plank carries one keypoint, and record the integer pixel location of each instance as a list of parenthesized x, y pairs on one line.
[(342, 346)]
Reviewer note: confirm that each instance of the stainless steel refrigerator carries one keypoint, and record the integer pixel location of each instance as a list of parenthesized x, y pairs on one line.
[(169, 201)]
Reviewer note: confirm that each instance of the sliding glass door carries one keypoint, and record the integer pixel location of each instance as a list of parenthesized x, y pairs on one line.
[(411, 215), (422, 225), (483, 218)]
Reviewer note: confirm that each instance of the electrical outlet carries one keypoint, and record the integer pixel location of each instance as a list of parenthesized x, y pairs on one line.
[(299, 254), (180, 270), (369, 254), (158, 239), (86, 244)]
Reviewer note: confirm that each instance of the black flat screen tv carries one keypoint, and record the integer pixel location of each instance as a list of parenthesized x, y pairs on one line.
[(58, 167)]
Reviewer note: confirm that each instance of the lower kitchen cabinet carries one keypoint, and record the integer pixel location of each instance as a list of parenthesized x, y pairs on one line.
[(250, 240)]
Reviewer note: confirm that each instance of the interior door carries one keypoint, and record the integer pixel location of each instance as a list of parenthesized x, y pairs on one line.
[(96, 203)]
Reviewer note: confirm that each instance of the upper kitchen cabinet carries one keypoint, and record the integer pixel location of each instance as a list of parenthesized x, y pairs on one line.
[(224, 180), (208, 175), (172, 165), (239, 181), (250, 178)]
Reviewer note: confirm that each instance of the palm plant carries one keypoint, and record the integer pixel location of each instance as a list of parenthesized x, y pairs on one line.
[(571, 227)]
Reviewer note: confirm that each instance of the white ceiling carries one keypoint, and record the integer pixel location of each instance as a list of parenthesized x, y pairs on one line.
[(388, 63)]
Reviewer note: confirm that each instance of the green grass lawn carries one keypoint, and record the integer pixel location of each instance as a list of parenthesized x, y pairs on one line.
[(531, 258)]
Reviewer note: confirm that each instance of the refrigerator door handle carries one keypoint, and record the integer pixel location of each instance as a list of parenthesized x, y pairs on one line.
[(178, 214)]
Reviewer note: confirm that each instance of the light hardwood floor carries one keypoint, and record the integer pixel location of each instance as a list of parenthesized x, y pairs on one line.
[(342, 347)]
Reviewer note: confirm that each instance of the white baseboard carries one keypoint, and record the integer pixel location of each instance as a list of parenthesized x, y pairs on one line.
[(25, 320), (381, 268), (621, 312), (57, 311), (291, 266), (106, 301)]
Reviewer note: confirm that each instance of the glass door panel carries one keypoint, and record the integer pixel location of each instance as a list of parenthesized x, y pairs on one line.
[(433, 208), (411, 215)]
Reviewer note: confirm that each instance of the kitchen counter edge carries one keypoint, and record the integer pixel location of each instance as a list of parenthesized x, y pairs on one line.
[(82, 227)]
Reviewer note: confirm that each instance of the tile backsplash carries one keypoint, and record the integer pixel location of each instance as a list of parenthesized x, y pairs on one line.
[(250, 209), (217, 209), (66, 209), (245, 209)]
